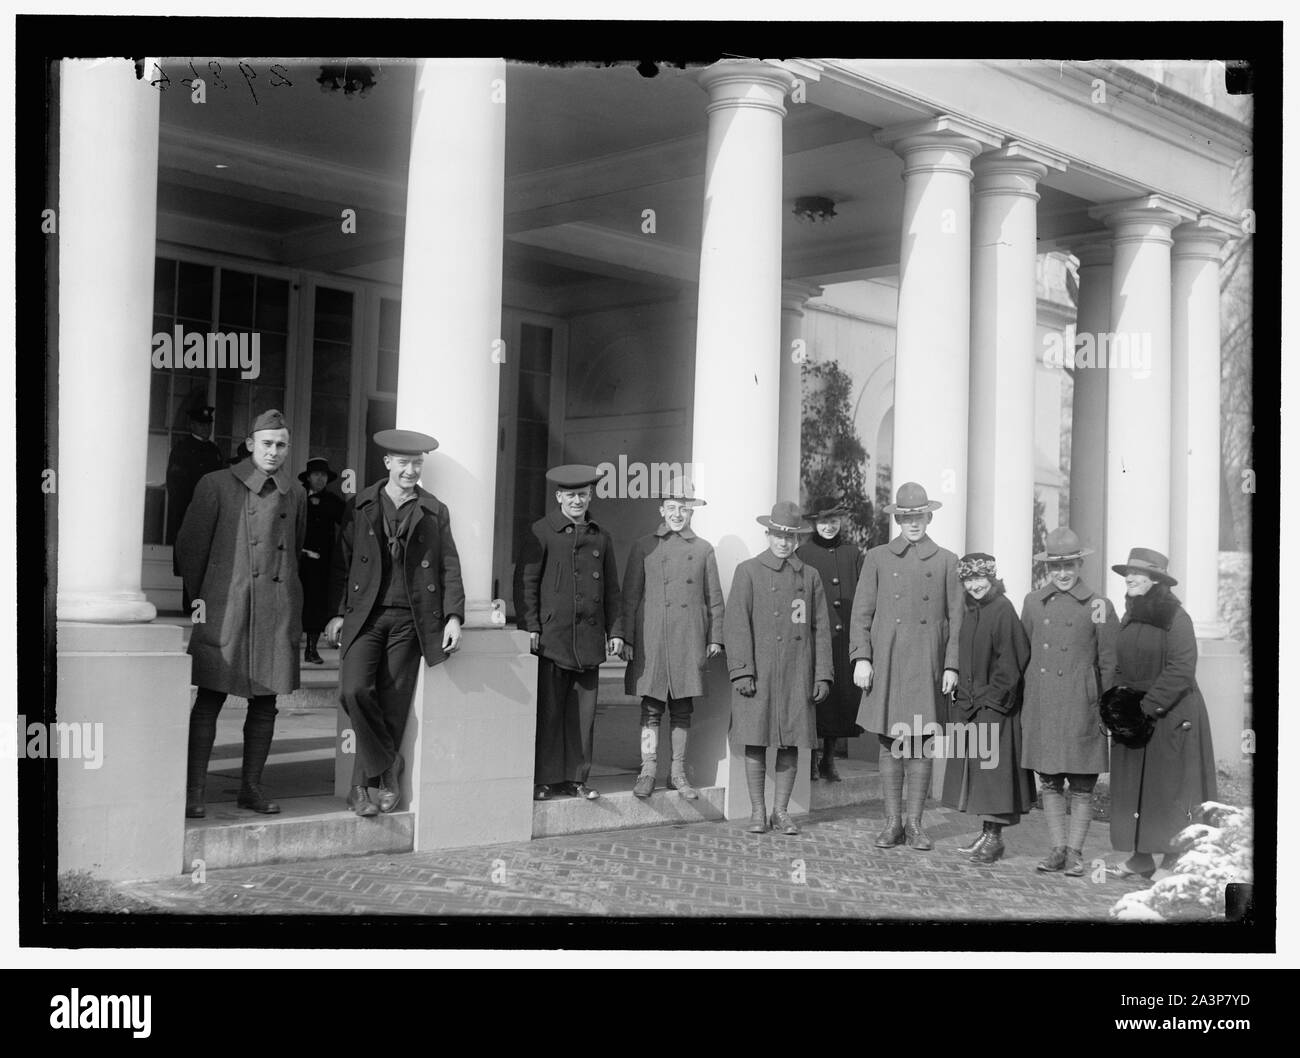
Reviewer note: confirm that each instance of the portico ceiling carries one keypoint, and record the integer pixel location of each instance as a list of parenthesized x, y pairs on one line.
[(588, 150)]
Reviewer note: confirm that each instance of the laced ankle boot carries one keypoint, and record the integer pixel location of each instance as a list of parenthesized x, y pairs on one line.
[(978, 843), (992, 849)]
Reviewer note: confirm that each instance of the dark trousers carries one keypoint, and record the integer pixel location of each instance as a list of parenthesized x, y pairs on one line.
[(566, 723), (679, 711), (376, 680), (259, 729)]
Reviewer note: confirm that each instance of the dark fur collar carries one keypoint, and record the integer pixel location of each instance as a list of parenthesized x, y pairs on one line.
[(1157, 607)]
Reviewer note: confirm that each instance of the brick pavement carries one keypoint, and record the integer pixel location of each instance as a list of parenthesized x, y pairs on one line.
[(831, 870)]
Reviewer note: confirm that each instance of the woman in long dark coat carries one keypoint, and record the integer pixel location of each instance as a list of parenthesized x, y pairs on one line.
[(1154, 789), (840, 564), (993, 651), (324, 512)]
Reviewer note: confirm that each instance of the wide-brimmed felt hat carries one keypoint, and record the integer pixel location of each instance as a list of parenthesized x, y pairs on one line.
[(317, 463), (1144, 560), (1121, 712), (681, 490), (824, 507), (574, 475), (911, 499), (405, 442), (785, 518), (1062, 546)]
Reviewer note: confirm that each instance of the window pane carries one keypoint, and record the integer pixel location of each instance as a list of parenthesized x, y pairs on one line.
[(264, 398), (159, 385), (534, 396), (329, 422), (272, 305), (164, 286), (333, 315), (390, 321), (272, 352), (236, 301), (194, 294), (535, 348)]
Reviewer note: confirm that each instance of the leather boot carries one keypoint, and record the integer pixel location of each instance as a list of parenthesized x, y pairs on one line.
[(975, 845), (360, 803), (1073, 863), (203, 733), (828, 761), (991, 851), (918, 788), (1054, 860), (891, 775), (310, 654), (787, 764), (259, 729), (755, 780), (390, 785)]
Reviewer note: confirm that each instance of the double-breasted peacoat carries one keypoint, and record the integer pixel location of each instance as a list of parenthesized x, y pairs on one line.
[(570, 591), (431, 569), (992, 653), (776, 630), (324, 512), (1154, 789), (1072, 637), (672, 611), (907, 612), (237, 551), (840, 565)]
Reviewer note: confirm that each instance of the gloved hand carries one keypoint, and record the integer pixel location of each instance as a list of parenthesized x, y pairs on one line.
[(821, 691), (1152, 711), (745, 685)]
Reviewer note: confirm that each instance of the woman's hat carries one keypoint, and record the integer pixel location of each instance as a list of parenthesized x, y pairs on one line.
[(1121, 712), (1144, 560), (317, 463), (911, 499), (824, 507), (785, 518), (1062, 545), (977, 564), (682, 490)]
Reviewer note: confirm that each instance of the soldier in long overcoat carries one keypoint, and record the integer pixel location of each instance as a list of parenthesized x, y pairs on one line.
[(903, 639), (1154, 789), (397, 596), (1072, 632), (573, 610), (324, 512), (672, 623), (238, 552), (840, 564), (778, 644), (985, 777)]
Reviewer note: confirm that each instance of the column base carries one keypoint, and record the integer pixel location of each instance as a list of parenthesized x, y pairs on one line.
[(124, 607), (122, 816)]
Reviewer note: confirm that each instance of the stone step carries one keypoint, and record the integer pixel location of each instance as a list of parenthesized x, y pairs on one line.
[(308, 828), (860, 784), (618, 809)]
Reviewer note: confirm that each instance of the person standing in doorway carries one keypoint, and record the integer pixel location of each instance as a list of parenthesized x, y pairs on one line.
[(324, 512)]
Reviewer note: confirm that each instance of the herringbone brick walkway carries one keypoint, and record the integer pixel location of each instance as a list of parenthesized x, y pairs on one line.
[(831, 870)]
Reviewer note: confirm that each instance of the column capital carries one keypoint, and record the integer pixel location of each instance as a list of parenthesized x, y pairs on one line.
[(734, 83), (1204, 237), (796, 293), (940, 144), (1148, 218), (1094, 248), (1014, 169)]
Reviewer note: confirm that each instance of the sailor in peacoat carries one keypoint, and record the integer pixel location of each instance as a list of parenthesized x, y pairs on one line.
[(237, 551)]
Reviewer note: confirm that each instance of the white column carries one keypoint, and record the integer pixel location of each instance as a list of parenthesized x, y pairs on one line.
[(1194, 469), (790, 423), (738, 328), (932, 358), (1138, 418), (447, 380), (1003, 358), (1088, 427), (107, 210)]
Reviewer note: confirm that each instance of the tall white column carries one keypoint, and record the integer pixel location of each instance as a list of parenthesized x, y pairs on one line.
[(1195, 466), (1088, 427), (738, 328), (1003, 358), (790, 423), (447, 381), (932, 359), (107, 212)]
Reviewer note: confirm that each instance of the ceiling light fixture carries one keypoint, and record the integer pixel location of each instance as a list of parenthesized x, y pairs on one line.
[(814, 208)]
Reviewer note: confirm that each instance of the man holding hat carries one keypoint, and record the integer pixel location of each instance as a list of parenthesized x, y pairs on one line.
[(397, 597), (839, 562), (324, 512), (1072, 632), (779, 659), (237, 550), (573, 610), (903, 642), (670, 571)]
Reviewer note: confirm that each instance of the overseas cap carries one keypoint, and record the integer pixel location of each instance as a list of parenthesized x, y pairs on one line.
[(573, 475), (271, 419), (405, 442)]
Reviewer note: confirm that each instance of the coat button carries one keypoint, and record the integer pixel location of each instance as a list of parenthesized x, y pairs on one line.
[(432, 587), (925, 598), (276, 579), (835, 602), (371, 532), (279, 547), (898, 620), (356, 587), (1047, 620), (1064, 647), (595, 554), (424, 563), (284, 516), (568, 528), (928, 574), (835, 580), (254, 573), (364, 558), (896, 573), (349, 609), (689, 581), (839, 628), (778, 639), (798, 637), (1060, 672), (922, 620), (253, 543), (1042, 670), (1069, 624), (684, 605), (897, 596), (595, 576), (1047, 646)]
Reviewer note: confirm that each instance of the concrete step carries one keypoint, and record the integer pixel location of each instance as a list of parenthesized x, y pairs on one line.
[(618, 809), (861, 783), (308, 828)]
